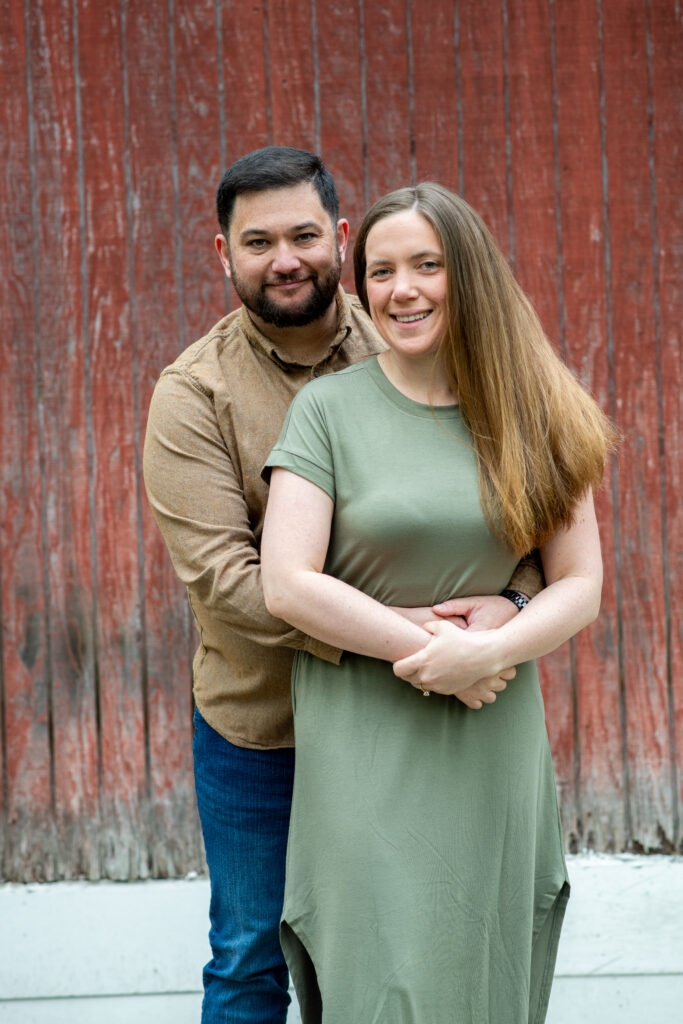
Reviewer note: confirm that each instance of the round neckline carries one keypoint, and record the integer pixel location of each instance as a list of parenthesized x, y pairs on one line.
[(402, 401)]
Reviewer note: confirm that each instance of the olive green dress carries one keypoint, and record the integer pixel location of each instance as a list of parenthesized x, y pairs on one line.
[(426, 881)]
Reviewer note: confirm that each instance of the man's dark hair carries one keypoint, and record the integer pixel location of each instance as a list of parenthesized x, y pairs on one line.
[(274, 167)]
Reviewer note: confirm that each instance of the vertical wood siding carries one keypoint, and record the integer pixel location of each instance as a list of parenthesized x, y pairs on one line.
[(557, 119)]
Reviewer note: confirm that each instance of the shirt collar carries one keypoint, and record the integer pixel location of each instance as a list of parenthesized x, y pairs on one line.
[(279, 356)]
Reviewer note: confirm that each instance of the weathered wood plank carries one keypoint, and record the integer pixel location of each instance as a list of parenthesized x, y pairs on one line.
[(599, 767), (105, 283), (58, 328), (436, 102), (389, 97), (152, 170), (631, 287), (341, 102), (244, 99), (290, 50), (247, 102), (534, 243), (200, 138), (124, 789), (27, 822), (665, 36), (483, 129)]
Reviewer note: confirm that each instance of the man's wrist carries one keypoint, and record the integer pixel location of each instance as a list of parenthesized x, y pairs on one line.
[(517, 598)]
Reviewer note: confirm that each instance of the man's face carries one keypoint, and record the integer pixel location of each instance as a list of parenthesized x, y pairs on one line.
[(284, 255)]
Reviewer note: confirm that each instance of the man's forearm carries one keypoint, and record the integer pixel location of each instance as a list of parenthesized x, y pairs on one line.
[(528, 578)]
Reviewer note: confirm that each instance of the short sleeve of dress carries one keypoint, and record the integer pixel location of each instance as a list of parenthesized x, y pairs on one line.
[(303, 446)]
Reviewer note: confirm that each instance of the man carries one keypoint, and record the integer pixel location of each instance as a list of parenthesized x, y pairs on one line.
[(215, 415)]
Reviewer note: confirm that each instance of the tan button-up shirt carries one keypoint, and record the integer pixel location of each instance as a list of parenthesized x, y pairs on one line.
[(215, 414)]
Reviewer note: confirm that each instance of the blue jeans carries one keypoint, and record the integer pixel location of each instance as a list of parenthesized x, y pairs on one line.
[(244, 798)]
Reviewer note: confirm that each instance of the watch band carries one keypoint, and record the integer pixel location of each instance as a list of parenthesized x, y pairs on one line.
[(513, 595)]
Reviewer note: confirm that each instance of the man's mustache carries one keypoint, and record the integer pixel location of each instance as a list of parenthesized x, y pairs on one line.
[(287, 279)]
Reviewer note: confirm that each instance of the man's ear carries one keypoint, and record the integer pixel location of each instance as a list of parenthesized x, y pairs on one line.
[(342, 236), (223, 253)]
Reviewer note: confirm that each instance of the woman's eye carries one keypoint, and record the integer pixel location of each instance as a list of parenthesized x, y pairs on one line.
[(429, 265), (380, 273)]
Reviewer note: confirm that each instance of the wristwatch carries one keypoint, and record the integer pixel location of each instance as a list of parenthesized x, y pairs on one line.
[(513, 595)]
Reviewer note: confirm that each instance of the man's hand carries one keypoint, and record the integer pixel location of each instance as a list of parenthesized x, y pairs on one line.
[(477, 612), (419, 616)]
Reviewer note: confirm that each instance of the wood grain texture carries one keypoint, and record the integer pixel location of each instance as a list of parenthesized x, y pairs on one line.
[(560, 122), (151, 175), (635, 374), (436, 103), (58, 335), (665, 36), (535, 248), (201, 142), (483, 114), (29, 840), (124, 786), (247, 101), (244, 95), (341, 101), (389, 97), (599, 765), (290, 76)]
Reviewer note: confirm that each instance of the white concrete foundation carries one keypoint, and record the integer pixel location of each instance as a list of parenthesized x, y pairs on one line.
[(123, 953)]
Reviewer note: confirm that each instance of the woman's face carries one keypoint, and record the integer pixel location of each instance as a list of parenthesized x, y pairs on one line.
[(406, 284)]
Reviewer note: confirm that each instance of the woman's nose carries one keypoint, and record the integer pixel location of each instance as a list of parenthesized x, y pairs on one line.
[(404, 286)]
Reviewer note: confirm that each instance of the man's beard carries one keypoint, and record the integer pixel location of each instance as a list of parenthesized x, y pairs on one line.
[(316, 305)]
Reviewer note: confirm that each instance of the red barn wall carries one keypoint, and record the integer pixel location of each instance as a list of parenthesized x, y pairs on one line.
[(557, 119)]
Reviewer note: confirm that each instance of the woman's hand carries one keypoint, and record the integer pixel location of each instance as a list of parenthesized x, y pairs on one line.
[(453, 660), (486, 690)]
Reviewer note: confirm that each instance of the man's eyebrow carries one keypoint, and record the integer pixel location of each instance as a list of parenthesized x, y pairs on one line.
[(294, 229)]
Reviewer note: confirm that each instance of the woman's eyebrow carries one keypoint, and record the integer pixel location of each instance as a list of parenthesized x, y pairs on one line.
[(413, 256)]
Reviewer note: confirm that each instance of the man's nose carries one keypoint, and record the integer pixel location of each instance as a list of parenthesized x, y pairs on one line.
[(285, 259)]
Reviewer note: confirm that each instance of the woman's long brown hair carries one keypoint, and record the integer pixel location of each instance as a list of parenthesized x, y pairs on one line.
[(540, 439)]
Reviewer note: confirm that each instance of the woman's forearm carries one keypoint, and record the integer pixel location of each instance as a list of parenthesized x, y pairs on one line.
[(454, 659), (554, 616), (340, 615)]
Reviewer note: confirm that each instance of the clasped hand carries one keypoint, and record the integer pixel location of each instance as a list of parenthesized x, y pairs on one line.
[(459, 660)]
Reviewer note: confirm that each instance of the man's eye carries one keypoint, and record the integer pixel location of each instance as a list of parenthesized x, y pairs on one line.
[(305, 236), (257, 243)]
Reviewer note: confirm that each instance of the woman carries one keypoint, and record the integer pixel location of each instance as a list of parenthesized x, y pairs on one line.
[(426, 880)]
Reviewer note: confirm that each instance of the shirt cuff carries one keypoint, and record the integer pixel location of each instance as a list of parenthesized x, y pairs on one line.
[(324, 651)]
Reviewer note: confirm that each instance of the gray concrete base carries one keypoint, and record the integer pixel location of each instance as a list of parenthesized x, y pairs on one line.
[(123, 953), (171, 1008)]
